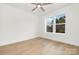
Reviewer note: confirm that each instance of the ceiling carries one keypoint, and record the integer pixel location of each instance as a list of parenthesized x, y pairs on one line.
[(27, 7)]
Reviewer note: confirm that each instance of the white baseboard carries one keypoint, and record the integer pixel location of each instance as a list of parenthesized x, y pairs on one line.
[(12, 42), (66, 42)]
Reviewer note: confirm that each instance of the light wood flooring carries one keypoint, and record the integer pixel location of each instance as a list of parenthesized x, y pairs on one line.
[(39, 46)]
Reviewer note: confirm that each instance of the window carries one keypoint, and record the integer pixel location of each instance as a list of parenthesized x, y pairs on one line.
[(49, 26), (56, 23), (60, 23)]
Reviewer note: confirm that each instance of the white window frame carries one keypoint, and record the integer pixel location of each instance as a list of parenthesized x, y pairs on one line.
[(54, 26)]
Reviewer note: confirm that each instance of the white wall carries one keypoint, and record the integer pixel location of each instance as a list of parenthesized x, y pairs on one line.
[(16, 25), (72, 25)]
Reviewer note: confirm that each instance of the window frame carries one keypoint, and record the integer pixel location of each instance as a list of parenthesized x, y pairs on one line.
[(54, 25)]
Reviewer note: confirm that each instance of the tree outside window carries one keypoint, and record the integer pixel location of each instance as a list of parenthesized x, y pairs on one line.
[(59, 23)]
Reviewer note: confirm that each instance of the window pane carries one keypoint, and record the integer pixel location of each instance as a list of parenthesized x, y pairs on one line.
[(60, 23), (60, 28), (60, 18), (49, 26)]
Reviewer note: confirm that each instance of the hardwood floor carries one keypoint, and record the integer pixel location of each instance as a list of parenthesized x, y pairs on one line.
[(39, 46)]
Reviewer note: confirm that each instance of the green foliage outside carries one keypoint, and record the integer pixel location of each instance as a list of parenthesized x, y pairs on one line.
[(60, 20), (49, 28), (60, 31)]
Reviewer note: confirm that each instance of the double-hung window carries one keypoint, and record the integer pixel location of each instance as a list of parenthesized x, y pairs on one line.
[(56, 23)]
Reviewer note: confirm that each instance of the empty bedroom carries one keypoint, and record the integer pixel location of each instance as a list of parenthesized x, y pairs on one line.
[(39, 28)]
